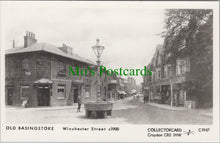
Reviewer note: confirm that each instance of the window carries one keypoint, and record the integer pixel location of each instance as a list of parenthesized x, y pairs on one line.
[(182, 66), (24, 64), (24, 91), (165, 72), (109, 87), (61, 68), (153, 76), (87, 92), (178, 69), (159, 74), (169, 71), (61, 91)]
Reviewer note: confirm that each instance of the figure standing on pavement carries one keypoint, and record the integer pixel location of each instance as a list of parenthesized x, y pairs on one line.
[(145, 98), (79, 101)]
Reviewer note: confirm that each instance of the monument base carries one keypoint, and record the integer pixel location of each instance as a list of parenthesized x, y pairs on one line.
[(98, 109)]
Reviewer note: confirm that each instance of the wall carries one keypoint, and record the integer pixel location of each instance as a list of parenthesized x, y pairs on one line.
[(16, 77)]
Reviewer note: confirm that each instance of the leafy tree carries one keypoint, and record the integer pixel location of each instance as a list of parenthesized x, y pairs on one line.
[(183, 25), (193, 29)]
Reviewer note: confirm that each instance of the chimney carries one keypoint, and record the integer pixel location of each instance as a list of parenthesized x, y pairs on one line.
[(66, 49), (29, 39)]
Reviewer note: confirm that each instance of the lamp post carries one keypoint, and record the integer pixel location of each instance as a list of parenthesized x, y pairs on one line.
[(98, 108), (98, 49)]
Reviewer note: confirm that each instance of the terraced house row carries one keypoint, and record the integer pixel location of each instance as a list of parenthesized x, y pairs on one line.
[(180, 78)]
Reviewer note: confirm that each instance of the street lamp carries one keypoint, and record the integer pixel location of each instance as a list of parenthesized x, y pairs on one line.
[(98, 49), (98, 108)]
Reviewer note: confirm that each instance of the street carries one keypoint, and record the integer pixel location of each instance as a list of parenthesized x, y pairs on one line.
[(126, 111)]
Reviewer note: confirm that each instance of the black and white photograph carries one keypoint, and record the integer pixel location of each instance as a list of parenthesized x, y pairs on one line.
[(110, 63)]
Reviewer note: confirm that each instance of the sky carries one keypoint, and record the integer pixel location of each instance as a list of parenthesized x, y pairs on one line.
[(128, 31)]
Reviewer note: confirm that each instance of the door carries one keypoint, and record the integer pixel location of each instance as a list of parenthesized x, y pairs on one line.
[(181, 97), (43, 95), (10, 97), (75, 93)]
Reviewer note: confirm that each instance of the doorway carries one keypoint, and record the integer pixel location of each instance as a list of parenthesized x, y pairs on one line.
[(10, 96), (43, 95), (75, 94)]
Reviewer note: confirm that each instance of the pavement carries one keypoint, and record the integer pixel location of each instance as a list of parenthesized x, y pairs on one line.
[(48, 108), (43, 108), (208, 112), (164, 106)]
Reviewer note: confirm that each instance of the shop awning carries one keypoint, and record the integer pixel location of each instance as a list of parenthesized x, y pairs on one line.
[(77, 81), (43, 81), (146, 87), (133, 91), (121, 92)]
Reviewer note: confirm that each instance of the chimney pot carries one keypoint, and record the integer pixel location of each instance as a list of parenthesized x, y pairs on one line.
[(29, 39)]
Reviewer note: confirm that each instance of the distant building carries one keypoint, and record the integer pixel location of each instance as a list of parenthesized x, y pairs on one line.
[(130, 84)]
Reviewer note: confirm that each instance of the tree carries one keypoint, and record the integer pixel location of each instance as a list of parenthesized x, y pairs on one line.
[(183, 25), (193, 29)]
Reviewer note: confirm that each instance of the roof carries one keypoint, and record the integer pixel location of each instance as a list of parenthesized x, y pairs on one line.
[(48, 48), (156, 60)]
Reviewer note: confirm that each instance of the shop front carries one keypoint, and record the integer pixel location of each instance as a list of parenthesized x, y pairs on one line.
[(44, 92)]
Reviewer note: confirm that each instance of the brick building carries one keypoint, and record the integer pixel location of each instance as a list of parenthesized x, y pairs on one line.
[(173, 81), (37, 74)]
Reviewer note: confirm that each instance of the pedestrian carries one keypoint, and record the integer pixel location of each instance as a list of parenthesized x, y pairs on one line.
[(79, 101), (145, 98)]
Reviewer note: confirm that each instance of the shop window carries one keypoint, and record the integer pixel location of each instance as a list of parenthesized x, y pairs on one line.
[(24, 91), (87, 92), (109, 87), (24, 64), (61, 91)]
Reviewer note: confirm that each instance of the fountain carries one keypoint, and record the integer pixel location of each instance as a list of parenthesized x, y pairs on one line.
[(98, 108)]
